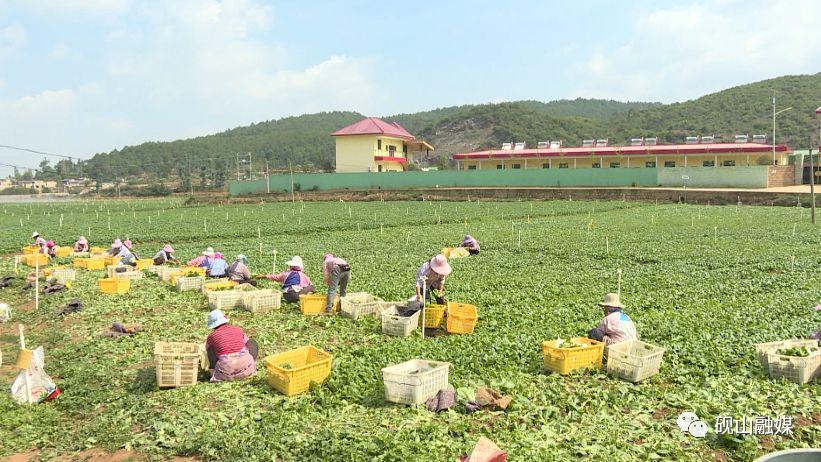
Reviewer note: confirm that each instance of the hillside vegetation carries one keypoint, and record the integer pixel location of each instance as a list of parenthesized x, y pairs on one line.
[(304, 143)]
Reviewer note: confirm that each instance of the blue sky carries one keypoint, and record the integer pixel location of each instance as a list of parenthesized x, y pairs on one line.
[(85, 76)]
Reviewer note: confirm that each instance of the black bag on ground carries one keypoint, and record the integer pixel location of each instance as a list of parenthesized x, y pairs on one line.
[(73, 306), (6, 281)]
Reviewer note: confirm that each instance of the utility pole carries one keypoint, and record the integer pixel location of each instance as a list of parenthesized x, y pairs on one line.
[(775, 114)]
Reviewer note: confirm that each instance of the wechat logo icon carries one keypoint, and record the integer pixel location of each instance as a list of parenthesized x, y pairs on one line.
[(688, 422)]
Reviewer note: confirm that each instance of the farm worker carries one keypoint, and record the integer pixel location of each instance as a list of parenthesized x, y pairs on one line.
[(218, 267), (337, 273), (127, 256), (430, 277), (616, 326), (165, 255), (231, 354), (116, 246), (239, 272), (39, 241), (207, 256), (81, 245), (294, 281), (51, 250), (471, 244)]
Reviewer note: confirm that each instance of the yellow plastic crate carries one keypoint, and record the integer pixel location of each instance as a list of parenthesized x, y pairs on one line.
[(47, 271), (63, 252), (98, 250), (30, 249), (36, 259), (433, 315), (114, 285), (79, 262), (144, 263), (314, 304), (94, 264), (565, 360), (461, 318), (112, 260), (446, 251), (292, 372), (177, 364), (215, 285)]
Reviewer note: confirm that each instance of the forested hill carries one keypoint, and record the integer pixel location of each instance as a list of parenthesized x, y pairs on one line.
[(304, 141)]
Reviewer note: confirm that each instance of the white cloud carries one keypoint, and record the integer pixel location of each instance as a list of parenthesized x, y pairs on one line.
[(47, 104), (11, 38), (61, 51), (683, 52), (78, 7)]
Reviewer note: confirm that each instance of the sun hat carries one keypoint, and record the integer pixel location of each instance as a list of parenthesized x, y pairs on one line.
[(50, 244), (327, 256), (35, 235), (117, 243), (216, 318), (242, 257), (440, 265), (127, 243), (82, 240), (217, 254), (295, 262), (208, 252), (612, 300), (167, 248)]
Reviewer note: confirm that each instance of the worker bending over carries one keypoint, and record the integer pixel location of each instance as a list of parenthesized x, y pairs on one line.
[(294, 281), (430, 279), (616, 326), (336, 273)]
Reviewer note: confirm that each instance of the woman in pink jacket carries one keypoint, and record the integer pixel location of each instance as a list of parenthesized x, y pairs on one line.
[(294, 281)]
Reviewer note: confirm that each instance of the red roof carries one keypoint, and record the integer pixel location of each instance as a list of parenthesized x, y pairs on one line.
[(374, 126), (818, 111), (715, 148)]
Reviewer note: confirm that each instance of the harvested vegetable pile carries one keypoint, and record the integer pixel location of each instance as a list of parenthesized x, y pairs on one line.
[(706, 301)]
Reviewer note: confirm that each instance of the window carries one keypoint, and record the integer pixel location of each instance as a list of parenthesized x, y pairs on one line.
[(564, 165), (404, 148), (728, 163), (392, 150), (651, 164), (471, 167), (615, 164), (379, 168), (517, 166), (708, 163), (596, 165), (378, 145), (669, 163), (546, 165), (500, 167)]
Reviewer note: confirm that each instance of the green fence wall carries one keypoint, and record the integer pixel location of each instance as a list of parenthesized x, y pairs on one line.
[(452, 178), (703, 177), (714, 177)]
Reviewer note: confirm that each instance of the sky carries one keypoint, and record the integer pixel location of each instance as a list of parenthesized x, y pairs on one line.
[(79, 77)]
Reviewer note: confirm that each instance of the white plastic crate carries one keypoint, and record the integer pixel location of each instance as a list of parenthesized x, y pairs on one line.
[(111, 270), (358, 304), (764, 349), (190, 283), (222, 299), (634, 360), (260, 301), (80, 254), (130, 275), (796, 369), (63, 275), (414, 381), (395, 325)]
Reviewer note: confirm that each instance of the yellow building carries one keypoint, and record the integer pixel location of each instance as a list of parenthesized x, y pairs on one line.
[(373, 145)]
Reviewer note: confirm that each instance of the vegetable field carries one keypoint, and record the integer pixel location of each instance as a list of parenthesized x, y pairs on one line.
[(704, 282)]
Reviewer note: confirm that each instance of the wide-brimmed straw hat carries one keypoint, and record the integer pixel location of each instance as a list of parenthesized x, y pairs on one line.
[(117, 243), (216, 318), (167, 248), (242, 257), (50, 244), (208, 252), (612, 300), (440, 265), (82, 240), (327, 256), (35, 235), (296, 262), (127, 243)]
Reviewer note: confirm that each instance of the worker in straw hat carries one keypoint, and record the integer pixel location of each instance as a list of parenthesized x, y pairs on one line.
[(239, 272), (218, 267), (616, 326), (127, 254), (470, 243), (231, 354), (430, 279), (39, 241), (115, 248), (165, 255), (294, 281), (81, 245)]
